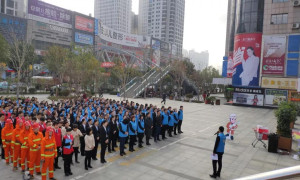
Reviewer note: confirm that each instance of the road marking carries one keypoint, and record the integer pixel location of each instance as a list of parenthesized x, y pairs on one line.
[(91, 172)]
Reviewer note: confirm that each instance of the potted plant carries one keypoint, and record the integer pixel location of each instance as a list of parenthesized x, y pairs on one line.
[(286, 113), (189, 96), (211, 100), (218, 101), (171, 96)]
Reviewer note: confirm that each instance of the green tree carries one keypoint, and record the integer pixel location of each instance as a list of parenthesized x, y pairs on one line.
[(204, 78), (178, 72)]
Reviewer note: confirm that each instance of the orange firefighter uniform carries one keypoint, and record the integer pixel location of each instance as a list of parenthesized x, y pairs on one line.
[(6, 140), (35, 140), (48, 153), (16, 143), (25, 145)]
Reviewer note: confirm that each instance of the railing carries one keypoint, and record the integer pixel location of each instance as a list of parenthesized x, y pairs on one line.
[(286, 173)]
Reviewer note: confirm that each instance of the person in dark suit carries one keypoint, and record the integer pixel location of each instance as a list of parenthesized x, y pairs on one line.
[(154, 116), (158, 125), (96, 133), (2, 124), (113, 134), (82, 129), (148, 128), (103, 140)]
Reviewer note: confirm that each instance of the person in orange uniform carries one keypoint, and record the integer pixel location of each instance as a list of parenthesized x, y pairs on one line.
[(25, 145), (35, 140), (6, 140), (48, 153), (16, 143)]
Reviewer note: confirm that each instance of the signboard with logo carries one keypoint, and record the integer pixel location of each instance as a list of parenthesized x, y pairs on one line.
[(117, 37), (107, 64), (248, 96), (84, 38), (84, 24), (10, 24), (274, 55), (44, 12), (246, 59), (273, 97), (49, 33), (280, 83)]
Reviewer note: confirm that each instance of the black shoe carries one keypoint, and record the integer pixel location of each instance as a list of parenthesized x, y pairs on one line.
[(90, 166), (124, 153), (134, 144), (71, 173), (175, 133), (57, 167), (121, 154), (86, 168), (142, 141), (95, 159), (116, 146), (213, 176), (23, 171), (38, 173), (77, 162), (52, 179), (131, 150), (82, 154), (170, 136), (155, 141), (218, 174), (158, 139), (181, 132), (109, 151), (141, 146), (113, 150), (67, 174), (148, 144), (31, 177)]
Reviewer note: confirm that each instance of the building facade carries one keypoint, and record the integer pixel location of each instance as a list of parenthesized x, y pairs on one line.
[(200, 60), (114, 14), (14, 7), (164, 20), (262, 51)]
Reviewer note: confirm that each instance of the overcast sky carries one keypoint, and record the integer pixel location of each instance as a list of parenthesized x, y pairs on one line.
[(205, 24)]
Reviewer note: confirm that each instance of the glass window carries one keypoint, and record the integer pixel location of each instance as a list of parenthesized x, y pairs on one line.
[(279, 19), (9, 12), (10, 3), (280, 1)]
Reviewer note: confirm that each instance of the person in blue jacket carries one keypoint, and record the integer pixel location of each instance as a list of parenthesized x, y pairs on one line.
[(219, 151), (141, 130), (165, 123), (132, 133), (123, 134), (180, 119), (175, 121), (171, 123)]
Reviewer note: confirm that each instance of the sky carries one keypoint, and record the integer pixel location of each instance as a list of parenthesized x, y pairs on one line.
[(205, 24)]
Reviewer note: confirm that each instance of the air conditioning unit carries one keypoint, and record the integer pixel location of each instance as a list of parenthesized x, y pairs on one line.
[(296, 26), (296, 3)]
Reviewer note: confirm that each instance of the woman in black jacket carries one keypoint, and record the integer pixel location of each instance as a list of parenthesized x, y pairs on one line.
[(113, 134), (83, 127)]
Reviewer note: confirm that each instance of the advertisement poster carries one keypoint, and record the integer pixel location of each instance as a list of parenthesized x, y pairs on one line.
[(246, 59), (230, 65), (84, 24), (273, 97), (248, 96), (155, 52), (12, 24), (84, 38), (44, 12), (117, 37), (273, 55), (280, 83)]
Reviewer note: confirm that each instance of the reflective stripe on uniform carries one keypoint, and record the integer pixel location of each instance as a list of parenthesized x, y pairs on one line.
[(25, 138), (37, 166), (17, 135), (49, 145), (50, 155), (50, 171), (30, 169), (44, 174), (36, 140), (24, 147), (33, 150), (8, 134)]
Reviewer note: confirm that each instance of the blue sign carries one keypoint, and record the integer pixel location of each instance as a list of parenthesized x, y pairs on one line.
[(96, 27), (15, 25), (84, 38), (224, 69)]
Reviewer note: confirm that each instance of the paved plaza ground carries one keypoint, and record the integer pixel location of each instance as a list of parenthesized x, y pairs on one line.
[(187, 156)]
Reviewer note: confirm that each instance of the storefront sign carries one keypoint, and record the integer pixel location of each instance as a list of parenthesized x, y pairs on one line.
[(84, 38), (84, 24), (246, 59), (274, 55), (248, 99), (44, 12), (280, 83), (107, 64), (273, 97)]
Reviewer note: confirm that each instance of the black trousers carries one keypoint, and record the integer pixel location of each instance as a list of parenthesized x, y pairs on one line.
[(175, 128), (112, 142), (88, 157), (148, 134), (94, 156), (76, 151), (131, 141), (67, 163), (2, 152), (56, 159), (170, 130), (102, 153), (122, 144), (140, 137), (163, 100), (163, 131), (153, 132), (219, 161), (82, 145), (157, 132), (179, 125)]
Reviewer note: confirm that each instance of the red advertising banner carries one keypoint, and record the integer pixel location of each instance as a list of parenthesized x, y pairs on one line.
[(230, 65), (84, 24), (246, 59), (274, 55), (107, 64)]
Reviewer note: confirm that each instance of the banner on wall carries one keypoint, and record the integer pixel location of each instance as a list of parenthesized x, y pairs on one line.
[(273, 97), (248, 96), (44, 12), (84, 38), (280, 83), (230, 65), (273, 55), (155, 45), (246, 59), (84, 24)]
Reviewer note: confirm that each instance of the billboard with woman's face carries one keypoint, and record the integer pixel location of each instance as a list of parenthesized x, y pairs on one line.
[(246, 59)]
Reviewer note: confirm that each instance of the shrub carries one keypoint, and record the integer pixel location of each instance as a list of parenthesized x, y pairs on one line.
[(286, 113), (190, 96), (64, 92), (32, 90)]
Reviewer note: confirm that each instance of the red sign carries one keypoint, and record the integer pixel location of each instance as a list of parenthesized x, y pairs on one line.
[(107, 64), (230, 65), (274, 55), (84, 24)]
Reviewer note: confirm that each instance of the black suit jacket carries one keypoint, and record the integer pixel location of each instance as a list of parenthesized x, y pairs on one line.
[(81, 128), (103, 135), (112, 128), (96, 132)]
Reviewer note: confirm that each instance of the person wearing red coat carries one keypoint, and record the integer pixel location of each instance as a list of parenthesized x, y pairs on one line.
[(58, 138), (42, 125), (67, 144)]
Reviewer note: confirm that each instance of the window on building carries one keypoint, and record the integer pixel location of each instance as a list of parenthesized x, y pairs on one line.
[(280, 1), (10, 3), (9, 12), (279, 19)]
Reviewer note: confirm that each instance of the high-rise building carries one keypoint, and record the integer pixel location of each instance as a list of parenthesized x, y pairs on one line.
[(200, 60), (13, 7), (114, 14), (134, 23), (163, 19)]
